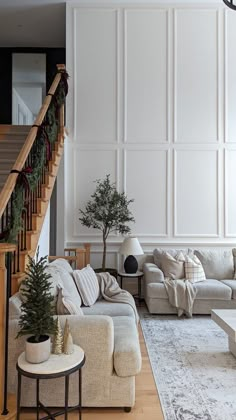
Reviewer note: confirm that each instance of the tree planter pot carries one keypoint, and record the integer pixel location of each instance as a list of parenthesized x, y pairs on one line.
[(37, 352)]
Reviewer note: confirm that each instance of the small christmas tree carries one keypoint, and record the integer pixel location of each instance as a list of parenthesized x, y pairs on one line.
[(58, 339), (68, 340), (37, 309)]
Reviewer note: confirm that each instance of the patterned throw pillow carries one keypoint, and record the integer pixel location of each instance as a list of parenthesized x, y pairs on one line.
[(67, 304), (173, 267), (87, 284), (194, 269)]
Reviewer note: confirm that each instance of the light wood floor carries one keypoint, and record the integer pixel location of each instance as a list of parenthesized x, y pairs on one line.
[(147, 406)]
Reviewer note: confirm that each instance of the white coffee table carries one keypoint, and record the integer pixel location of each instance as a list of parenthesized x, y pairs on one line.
[(226, 319)]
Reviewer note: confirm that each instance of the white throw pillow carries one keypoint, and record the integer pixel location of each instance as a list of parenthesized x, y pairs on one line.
[(67, 304), (87, 283), (173, 267), (194, 269), (61, 263)]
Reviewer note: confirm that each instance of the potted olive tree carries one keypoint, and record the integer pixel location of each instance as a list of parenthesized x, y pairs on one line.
[(108, 211), (37, 310)]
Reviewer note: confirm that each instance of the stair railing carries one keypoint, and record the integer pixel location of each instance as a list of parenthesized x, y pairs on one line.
[(26, 183)]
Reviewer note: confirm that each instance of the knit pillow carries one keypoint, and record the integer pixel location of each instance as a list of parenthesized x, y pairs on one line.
[(67, 304), (194, 269), (173, 267), (87, 284)]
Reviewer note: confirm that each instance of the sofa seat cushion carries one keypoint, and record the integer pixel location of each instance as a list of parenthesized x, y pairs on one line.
[(217, 264), (207, 289), (113, 309), (213, 289), (127, 355), (232, 285)]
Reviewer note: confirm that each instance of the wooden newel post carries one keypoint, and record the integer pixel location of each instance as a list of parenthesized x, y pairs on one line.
[(4, 249)]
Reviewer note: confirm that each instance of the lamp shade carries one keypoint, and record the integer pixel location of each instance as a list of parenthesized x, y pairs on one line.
[(131, 246)]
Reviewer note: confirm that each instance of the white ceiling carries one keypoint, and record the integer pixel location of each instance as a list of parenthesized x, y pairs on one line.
[(32, 23)]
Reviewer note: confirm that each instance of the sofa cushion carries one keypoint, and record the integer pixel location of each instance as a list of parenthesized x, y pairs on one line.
[(217, 264), (207, 289), (127, 355), (234, 257), (15, 306), (173, 267), (87, 284), (193, 269), (213, 289), (62, 275), (232, 285), (152, 273), (67, 304), (156, 291), (62, 263), (54, 280), (103, 307), (158, 252)]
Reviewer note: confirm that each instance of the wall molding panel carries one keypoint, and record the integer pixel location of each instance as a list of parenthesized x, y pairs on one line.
[(155, 108), (146, 95), (196, 121), (196, 193)]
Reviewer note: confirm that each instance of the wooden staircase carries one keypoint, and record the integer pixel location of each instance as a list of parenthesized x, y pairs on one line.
[(17, 148), (12, 138)]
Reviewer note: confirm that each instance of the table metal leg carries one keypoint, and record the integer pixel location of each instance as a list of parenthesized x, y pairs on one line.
[(37, 397), (80, 395), (18, 396), (139, 289), (66, 396)]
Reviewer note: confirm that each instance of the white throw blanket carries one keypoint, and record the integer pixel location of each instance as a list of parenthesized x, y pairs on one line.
[(181, 294), (111, 291)]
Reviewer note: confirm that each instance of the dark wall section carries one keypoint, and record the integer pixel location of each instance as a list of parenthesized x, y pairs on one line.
[(5, 86), (54, 56)]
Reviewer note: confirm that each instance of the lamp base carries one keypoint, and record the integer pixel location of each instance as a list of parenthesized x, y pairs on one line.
[(131, 265)]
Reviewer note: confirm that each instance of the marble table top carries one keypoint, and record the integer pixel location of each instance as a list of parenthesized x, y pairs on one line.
[(55, 364), (124, 274)]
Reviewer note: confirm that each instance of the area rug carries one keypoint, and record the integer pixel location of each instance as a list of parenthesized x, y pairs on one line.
[(194, 371)]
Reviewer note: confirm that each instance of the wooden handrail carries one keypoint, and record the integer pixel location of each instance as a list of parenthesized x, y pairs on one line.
[(9, 186)]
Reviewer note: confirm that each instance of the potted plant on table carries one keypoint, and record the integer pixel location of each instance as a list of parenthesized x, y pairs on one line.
[(107, 211), (37, 310)]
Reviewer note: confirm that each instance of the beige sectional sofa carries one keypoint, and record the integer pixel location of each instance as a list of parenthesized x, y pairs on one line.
[(217, 291), (108, 334)]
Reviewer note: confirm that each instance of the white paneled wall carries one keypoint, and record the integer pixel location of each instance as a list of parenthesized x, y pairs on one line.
[(145, 75), (153, 103)]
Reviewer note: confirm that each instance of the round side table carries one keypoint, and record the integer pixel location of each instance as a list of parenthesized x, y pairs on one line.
[(55, 367), (138, 275)]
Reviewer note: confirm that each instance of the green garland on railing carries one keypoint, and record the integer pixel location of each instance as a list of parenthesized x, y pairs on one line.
[(28, 179)]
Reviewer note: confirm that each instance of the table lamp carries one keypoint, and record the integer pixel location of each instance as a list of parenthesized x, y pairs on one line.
[(131, 247)]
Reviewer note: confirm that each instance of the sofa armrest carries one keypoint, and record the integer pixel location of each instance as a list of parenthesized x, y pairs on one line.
[(152, 273), (127, 353), (94, 333)]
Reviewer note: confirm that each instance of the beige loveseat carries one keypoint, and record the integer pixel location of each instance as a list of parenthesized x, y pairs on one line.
[(108, 334), (218, 291)]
